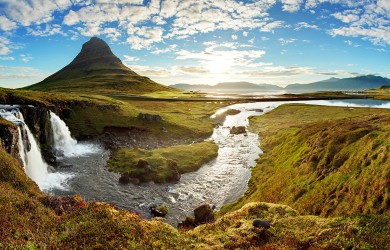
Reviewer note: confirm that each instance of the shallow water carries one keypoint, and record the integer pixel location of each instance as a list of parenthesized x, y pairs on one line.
[(219, 182)]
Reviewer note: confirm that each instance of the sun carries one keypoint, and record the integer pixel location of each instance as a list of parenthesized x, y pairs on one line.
[(219, 65)]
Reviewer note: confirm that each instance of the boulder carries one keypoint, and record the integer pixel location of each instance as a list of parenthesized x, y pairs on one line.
[(237, 130), (188, 223), (126, 178), (159, 211), (203, 214), (261, 224)]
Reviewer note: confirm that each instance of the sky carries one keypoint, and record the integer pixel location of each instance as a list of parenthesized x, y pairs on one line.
[(200, 42)]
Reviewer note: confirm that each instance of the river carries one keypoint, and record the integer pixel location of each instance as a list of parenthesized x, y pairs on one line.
[(221, 181)]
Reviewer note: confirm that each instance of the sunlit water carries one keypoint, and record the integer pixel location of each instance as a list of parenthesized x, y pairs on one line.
[(219, 182)]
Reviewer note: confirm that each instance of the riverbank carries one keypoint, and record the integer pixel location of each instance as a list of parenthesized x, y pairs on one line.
[(163, 164), (327, 161)]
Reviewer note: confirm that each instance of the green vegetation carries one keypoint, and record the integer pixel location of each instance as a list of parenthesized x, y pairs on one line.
[(327, 161), (382, 93), (89, 115), (162, 164), (97, 70), (33, 220)]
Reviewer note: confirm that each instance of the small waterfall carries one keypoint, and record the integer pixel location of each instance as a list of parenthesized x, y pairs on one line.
[(29, 151), (64, 144), (34, 165)]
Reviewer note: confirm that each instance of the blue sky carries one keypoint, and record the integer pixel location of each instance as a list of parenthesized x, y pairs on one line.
[(200, 42)]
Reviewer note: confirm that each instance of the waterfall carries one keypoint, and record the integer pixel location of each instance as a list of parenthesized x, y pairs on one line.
[(64, 144), (34, 165), (30, 154)]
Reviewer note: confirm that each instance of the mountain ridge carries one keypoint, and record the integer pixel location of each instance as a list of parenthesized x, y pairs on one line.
[(331, 84)]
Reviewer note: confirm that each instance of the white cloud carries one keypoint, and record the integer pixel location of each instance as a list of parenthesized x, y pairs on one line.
[(377, 36), (291, 5), (5, 44), (130, 58), (6, 24), (12, 72), (25, 58), (27, 12), (269, 27), (304, 25), (168, 49), (346, 17), (49, 30), (234, 37), (7, 58), (285, 41)]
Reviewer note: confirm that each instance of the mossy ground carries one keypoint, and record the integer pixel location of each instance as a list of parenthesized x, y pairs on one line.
[(326, 161), (88, 114), (163, 162)]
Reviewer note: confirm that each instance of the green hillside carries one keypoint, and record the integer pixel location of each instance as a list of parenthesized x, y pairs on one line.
[(326, 161), (97, 70)]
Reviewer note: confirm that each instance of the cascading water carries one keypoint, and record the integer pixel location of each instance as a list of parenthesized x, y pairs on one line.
[(34, 165), (63, 141)]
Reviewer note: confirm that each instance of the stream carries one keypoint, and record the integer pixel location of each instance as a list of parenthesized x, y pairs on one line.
[(221, 181)]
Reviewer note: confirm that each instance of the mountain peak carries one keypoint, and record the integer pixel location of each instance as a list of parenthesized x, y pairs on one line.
[(97, 69), (94, 50)]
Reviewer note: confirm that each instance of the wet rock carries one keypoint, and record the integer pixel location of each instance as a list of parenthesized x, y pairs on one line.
[(145, 165), (175, 176), (159, 211), (188, 223), (203, 214), (50, 158), (62, 165), (9, 137), (261, 224), (237, 130), (126, 178), (150, 117)]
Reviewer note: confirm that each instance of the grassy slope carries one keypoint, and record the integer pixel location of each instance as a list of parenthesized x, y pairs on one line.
[(25, 222), (323, 160), (89, 114), (379, 93), (186, 158)]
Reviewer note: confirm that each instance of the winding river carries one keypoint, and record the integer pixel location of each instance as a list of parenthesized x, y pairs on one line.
[(221, 181)]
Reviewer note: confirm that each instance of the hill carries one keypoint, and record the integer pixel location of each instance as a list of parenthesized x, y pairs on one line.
[(336, 84), (334, 162), (97, 70), (229, 87), (33, 220)]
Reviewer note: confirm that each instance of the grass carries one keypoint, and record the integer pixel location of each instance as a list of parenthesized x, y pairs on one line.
[(382, 93), (164, 162), (29, 221), (87, 115), (33, 220), (326, 161)]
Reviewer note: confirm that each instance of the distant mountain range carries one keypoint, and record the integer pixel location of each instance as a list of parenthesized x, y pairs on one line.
[(229, 87), (332, 84), (336, 84), (97, 69)]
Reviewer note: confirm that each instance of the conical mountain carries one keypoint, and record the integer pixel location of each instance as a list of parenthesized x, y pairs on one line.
[(97, 70)]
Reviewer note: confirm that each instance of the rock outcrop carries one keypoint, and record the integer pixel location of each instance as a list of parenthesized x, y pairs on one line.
[(9, 137), (238, 130)]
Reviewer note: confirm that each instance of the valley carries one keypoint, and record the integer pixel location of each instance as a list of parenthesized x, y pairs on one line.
[(90, 152)]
